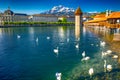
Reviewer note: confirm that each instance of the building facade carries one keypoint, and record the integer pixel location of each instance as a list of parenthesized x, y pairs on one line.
[(10, 16), (43, 18)]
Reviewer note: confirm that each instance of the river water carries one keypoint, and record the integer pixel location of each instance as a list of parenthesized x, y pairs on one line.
[(27, 53)]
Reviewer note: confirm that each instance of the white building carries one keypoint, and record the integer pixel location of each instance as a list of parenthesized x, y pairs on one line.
[(43, 18), (10, 16)]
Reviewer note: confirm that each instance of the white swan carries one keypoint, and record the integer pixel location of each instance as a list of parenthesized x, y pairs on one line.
[(48, 37), (68, 39), (104, 54), (109, 67), (58, 76), (83, 54), (109, 51), (115, 56), (37, 39), (18, 36), (77, 46), (91, 71), (91, 44), (85, 58), (105, 65), (102, 43), (56, 50)]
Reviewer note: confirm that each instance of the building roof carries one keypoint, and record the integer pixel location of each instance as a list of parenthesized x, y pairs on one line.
[(45, 15), (114, 15), (97, 20), (78, 11), (20, 14), (8, 12), (100, 16)]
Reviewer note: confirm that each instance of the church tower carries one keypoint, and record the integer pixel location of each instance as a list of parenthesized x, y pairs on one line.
[(78, 17)]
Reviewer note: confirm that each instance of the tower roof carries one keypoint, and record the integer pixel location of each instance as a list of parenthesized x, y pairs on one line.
[(78, 11)]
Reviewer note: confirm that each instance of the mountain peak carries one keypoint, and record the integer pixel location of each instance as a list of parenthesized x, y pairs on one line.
[(60, 10)]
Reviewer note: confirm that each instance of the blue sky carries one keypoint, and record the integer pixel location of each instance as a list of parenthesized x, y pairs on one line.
[(37, 6)]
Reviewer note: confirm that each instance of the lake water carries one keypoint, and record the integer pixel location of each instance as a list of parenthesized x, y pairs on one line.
[(31, 56)]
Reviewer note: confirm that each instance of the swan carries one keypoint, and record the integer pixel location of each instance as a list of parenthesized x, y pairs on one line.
[(18, 36), (106, 53), (91, 71), (109, 67), (83, 54), (85, 58), (91, 44), (102, 43), (115, 57), (58, 76), (104, 65), (68, 39), (56, 50), (37, 39), (103, 54), (109, 51), (48, 37), (77, 46)]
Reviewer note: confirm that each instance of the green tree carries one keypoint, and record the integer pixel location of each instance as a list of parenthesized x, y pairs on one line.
[(64, 20)]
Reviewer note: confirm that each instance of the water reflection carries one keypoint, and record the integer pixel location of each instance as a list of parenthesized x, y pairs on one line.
[(97, 62), (40, 62), (77, 32), (108, 34)]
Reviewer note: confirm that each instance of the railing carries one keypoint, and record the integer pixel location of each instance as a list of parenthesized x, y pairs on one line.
[(101, 24), (112, 25)]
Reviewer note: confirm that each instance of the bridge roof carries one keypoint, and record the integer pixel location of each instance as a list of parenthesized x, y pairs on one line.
[(114, 15), (100, 16)]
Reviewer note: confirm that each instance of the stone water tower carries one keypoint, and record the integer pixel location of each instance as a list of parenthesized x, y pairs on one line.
[(78, 17), (78, 23)]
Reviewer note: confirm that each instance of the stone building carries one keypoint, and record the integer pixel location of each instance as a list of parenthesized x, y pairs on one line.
[(43, 18), (78, 17), (10, 16)]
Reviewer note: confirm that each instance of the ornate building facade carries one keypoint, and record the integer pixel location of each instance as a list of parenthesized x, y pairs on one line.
[(10, 16)]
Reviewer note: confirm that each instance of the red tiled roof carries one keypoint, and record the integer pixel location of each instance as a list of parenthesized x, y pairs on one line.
[(114, 15), (100, 16), (78, 11), (98, 20), (46, 15)]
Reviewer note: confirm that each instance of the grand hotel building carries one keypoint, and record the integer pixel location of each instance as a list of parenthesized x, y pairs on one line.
[(10, 16)]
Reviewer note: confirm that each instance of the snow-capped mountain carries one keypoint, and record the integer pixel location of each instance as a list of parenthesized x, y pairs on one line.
[(60, 10)]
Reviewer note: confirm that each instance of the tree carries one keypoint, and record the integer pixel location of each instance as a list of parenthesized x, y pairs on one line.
[(64, 20)]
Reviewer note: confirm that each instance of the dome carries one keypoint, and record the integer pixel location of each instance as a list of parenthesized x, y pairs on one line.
[(78, 11), (8, 12)]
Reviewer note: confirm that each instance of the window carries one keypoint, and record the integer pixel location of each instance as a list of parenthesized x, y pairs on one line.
[(118, 20)]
